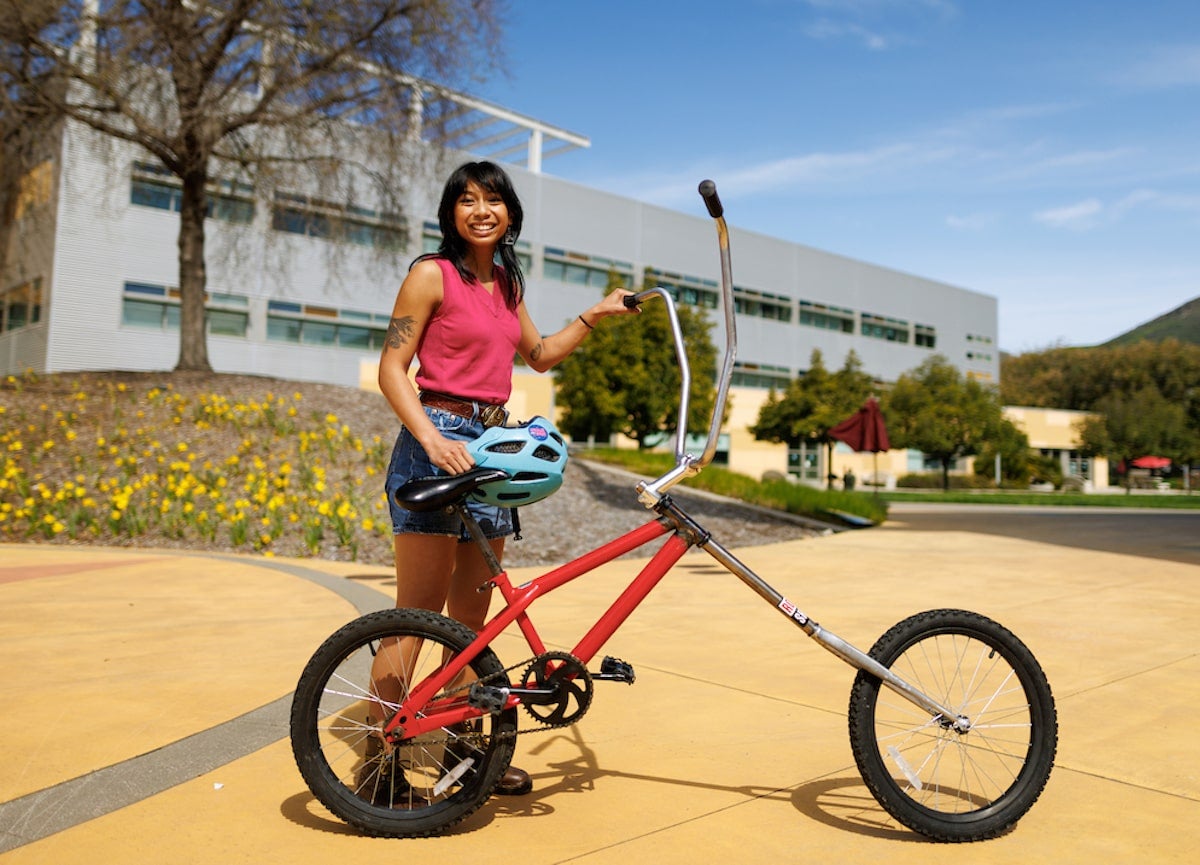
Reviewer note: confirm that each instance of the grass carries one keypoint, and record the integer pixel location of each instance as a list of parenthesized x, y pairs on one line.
[(827, 505)]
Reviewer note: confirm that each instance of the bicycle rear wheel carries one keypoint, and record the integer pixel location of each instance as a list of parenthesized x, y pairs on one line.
[(946, 784), (418, 786)]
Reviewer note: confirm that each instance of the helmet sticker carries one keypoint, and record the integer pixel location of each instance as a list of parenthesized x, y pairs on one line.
[(539, 433)]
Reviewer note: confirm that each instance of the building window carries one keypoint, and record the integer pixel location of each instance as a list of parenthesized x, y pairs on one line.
[(804, 462), (882, 327), (154, 186), (575, 268), (308, 324), (21, 305), (691, 290), (760, 375), (156, 307), (826, 317), (924, 336), (760, 304), (348, 223)]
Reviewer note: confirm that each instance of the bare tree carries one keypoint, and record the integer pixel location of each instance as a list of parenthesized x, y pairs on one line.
[(210, 86), (26, 128)]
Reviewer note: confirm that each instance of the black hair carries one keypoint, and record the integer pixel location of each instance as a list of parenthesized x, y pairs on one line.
[(453, 248)]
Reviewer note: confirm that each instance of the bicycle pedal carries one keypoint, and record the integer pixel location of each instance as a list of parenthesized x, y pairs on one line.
[(615, 670), (487, 698)]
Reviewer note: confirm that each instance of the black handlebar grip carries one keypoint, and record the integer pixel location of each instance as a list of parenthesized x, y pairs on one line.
[(708, 191), (632, 301)]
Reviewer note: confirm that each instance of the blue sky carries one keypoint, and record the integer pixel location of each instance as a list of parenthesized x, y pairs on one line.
[(1046, 153)]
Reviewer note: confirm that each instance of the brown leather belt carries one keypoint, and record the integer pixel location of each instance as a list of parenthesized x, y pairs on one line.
[(488, 414)]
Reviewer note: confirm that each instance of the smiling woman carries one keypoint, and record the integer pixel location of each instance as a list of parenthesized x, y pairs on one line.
[(462, 309)]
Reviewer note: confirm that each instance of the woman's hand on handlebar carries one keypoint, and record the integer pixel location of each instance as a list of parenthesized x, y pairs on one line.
[(613, 304)]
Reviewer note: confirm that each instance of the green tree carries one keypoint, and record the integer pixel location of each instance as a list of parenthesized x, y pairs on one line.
[(1018, 464), (219, 89), (624, 378), (936, 410), (1128, 426), (814, 403)]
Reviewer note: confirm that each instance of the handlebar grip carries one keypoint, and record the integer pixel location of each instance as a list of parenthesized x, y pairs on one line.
[(632, 301), (708, 191)]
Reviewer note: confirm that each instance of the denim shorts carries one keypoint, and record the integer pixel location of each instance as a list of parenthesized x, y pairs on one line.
[(409, 461)]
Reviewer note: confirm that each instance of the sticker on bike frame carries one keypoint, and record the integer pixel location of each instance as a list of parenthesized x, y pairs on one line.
[(791, 612)]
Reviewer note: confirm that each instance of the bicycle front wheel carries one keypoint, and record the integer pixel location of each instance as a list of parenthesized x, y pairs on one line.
[(939, 780), (353, 683)]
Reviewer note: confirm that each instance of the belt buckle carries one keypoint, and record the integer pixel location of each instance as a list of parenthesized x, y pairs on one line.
[(493, 415)]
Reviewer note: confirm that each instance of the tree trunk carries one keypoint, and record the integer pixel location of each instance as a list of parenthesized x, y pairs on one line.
[(193, 345), (945, 475)]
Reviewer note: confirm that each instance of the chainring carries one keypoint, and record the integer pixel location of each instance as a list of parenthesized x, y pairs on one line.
[(566, 674)]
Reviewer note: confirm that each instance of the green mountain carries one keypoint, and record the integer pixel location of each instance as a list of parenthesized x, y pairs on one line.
[(1183, 324)]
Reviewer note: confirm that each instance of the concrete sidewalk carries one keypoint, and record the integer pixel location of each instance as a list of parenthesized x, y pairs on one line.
[(146, 697)]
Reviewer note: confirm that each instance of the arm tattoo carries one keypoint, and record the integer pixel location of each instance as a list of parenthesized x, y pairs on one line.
[(536, 352), (399, 331)]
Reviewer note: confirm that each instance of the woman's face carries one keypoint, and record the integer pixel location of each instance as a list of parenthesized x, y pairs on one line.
[(481, 217)]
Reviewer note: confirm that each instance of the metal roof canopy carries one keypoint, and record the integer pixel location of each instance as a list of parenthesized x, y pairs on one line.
[(475, 134), (451, 119)]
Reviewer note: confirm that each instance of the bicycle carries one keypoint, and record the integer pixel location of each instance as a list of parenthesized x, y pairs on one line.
[(952, 722)]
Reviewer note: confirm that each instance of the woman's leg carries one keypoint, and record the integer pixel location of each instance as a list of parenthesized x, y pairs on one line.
[(464, 601), (424, 566), (470, 606)]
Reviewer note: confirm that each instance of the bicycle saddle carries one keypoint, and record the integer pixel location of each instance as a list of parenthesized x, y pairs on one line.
[(443, 491)]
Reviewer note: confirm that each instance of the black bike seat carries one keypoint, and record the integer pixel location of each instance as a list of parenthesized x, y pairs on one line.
[(443, 491)]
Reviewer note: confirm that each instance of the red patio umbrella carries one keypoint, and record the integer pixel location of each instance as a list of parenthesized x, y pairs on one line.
[(1149, 462), (864, 431)]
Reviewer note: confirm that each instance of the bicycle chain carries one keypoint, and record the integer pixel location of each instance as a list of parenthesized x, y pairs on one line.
[(542, 727)]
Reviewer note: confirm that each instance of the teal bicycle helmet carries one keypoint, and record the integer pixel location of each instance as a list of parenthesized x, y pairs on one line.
[(533, 454)]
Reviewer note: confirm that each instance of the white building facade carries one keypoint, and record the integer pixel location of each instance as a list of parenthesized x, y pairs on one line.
[(301, 288)]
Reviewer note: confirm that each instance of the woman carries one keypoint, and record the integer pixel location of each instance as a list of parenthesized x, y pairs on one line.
[(465, 317)]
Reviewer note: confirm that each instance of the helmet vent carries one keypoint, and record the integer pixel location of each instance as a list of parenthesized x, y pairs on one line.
[(506, 447), (544, 453)]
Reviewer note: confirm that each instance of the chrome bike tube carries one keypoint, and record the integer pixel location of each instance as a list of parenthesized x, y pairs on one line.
[(832, 642), (687, 465)]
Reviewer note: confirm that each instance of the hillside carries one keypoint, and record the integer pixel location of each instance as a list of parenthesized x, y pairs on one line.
[(1182, 323), (246, 464)]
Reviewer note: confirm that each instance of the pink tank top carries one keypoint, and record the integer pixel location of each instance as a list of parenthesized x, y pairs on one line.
[(468, 346)]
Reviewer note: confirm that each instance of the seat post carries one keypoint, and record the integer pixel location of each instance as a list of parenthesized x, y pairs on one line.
[(480, 540)]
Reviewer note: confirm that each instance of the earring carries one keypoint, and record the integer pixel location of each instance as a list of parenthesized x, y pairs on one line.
[(510, 238)]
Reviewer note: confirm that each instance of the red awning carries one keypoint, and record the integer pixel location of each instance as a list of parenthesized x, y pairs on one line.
[(1149, 462)]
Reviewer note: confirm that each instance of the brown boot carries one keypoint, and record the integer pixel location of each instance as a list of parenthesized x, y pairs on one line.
[(381, 781), (514, 781)]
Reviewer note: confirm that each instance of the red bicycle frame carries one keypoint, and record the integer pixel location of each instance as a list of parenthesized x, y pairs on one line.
[(418, 714)]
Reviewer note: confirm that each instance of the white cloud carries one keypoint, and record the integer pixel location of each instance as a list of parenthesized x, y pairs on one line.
[(827, 29), (775, 176), (1092, 213), (971, 221), (1082, 216), (864, 20), (1166, 66)]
